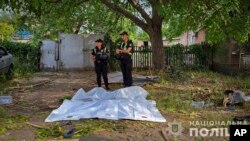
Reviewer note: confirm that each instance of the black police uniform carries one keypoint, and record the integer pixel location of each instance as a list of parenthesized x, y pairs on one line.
[(126, 63), (101, 65)]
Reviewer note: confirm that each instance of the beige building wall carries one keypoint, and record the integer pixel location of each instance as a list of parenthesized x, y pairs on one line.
[(187, 38)]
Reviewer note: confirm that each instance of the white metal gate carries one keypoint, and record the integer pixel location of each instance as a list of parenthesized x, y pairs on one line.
[(49, 55), (72, 52)]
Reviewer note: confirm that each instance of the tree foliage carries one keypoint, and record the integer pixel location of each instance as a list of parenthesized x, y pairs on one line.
[(45, 19), (6, 31), (222, 19), (6, 25)]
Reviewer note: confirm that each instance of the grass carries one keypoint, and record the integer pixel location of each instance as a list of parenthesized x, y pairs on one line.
[(4, 82), (11, 122), (68, 97), (174, 94), (174, 103), (52, 131), (84, 127)]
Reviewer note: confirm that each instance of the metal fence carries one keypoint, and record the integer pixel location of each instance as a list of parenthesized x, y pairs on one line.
[(245, 62), (142, 58), (194, 56)]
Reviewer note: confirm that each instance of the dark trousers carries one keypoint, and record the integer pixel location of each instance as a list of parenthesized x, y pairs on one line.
[(101, 69), (126, 67)]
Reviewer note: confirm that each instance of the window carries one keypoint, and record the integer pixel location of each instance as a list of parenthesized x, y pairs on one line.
[(191, 38)]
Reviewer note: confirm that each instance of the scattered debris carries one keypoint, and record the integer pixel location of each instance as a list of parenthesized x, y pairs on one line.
[(242, 118), (138, 80), (164, 134), (36, 126), (65, 122), (70, 133), (5, 100), (201, 104), (247, 98), (230, 108), (201, 94), (234, 97), (23, 88), (238, 97)]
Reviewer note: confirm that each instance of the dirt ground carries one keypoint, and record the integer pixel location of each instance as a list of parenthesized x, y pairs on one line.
[(48, 88), (37, 102)]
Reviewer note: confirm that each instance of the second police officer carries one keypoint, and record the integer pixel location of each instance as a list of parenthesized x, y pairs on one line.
[(124, 54)]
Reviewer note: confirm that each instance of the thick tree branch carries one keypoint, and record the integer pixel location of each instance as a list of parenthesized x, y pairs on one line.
[(143, 13), (155, 15), (127, 14), (156, 21)]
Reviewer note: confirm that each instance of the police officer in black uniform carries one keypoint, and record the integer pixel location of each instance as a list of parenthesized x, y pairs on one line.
[(124, 52), (100, 57)]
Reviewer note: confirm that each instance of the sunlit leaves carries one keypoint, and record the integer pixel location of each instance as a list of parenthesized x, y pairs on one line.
[(6, 31), (222, 19)]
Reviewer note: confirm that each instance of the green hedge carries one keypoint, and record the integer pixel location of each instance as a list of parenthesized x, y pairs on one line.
[(26, 56)]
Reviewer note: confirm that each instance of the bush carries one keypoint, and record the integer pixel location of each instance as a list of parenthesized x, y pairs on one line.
[(26, 57)]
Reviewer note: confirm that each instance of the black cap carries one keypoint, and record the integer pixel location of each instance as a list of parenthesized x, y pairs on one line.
[(124, 33), (99, 40)]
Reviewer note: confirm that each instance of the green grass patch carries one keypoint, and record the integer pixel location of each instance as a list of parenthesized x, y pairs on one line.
[(68, 97), (52, 131), (84, 128), (173, 95), (89, 126), (11, 122), (4, 91), (174, 102)]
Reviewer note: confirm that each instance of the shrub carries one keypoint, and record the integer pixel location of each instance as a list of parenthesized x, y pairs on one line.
[(26, 56)]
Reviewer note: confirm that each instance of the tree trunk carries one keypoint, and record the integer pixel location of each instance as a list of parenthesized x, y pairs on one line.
[(157, 48), (155, 33), (152, 26)]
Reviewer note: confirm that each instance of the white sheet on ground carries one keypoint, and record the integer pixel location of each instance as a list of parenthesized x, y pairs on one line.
[(125, 103)]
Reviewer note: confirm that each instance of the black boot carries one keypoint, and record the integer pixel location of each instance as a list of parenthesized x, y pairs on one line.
[(107, 87)]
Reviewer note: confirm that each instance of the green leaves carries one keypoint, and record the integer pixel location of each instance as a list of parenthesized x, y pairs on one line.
[(181, 15), (222, 19), (6, 31), (54, 131)]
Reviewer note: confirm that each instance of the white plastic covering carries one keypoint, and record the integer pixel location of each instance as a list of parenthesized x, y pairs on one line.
[(125, 103)]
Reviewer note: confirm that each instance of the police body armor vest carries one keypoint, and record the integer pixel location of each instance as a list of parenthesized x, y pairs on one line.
[(124, 47), (101, 55)]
